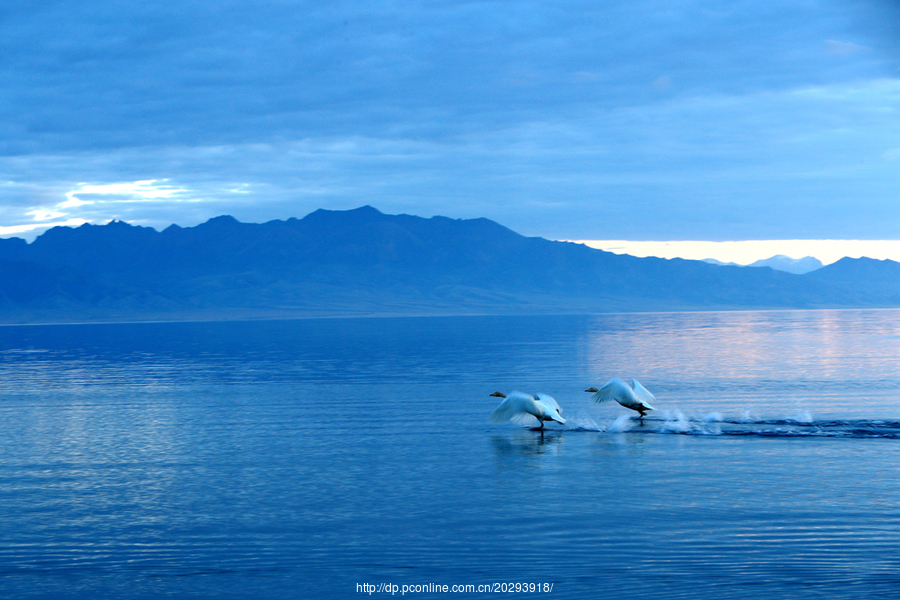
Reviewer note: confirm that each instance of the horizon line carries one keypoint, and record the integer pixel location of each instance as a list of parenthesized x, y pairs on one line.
[(740, 252), (745, 252)]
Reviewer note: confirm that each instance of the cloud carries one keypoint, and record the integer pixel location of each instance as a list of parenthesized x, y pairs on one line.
[(545, 116), (891, 155), (781, 164), (117, 193), (661, 83), (128, 74), (40, 214), (844, 48), (34, 229)]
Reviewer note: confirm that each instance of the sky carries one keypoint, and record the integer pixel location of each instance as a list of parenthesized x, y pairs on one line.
[(637, 120)]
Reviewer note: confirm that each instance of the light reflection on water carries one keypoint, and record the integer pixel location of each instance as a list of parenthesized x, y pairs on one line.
[(232, 460)]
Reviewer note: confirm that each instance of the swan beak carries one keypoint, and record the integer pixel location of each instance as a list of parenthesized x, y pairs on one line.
[(592, 390)]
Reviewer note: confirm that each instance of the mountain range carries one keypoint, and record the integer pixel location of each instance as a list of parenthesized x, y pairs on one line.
[(362, 262), (780, 262)]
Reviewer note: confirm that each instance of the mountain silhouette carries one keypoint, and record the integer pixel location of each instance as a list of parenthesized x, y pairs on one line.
[(362, 261), (798, 266)]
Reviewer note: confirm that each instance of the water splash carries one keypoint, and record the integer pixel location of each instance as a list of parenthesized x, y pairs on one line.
[(621, 424), (582, 423), (803, 416), (747, 416), (676, 422)]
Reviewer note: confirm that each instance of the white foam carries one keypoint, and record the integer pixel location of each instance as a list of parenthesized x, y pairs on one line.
[(675, 423), (713, 417), (582, 423), (747, 416), (803, 416), (621, 424)]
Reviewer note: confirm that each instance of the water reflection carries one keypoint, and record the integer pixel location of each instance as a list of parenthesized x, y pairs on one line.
[(528, 444), (779, 361)]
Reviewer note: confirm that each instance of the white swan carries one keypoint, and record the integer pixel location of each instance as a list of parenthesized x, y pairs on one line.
[(633, 396), (518, 404)]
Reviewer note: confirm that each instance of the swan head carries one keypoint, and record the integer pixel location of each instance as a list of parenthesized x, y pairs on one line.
[(499, 394), (592, 390)]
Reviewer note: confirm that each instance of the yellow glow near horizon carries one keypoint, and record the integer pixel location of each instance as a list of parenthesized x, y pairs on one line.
[(14, 229), (745, 252), (85, 194), (137, 191)]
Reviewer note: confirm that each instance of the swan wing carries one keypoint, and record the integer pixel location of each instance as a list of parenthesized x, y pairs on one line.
[(550, 401), (525, 420), (642, 393), (614, 389), (552, 409), (515, 406)]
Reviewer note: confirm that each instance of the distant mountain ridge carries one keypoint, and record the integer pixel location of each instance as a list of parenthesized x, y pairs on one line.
[(779, 262), (362, 261), (797, 266)]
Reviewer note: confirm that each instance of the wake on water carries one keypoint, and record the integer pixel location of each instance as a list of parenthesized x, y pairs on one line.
[(800, 425)]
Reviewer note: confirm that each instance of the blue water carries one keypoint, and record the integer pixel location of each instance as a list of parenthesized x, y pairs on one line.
[(306, 459)]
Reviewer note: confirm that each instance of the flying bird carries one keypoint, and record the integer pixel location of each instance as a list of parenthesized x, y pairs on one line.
[(517, 405), (633, 396)]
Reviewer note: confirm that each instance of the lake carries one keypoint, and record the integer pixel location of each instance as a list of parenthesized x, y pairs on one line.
[(339, 458)]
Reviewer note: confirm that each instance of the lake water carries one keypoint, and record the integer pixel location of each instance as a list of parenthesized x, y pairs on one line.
[(313, 459)]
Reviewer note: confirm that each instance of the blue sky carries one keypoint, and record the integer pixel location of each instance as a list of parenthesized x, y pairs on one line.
[(631, 120)]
